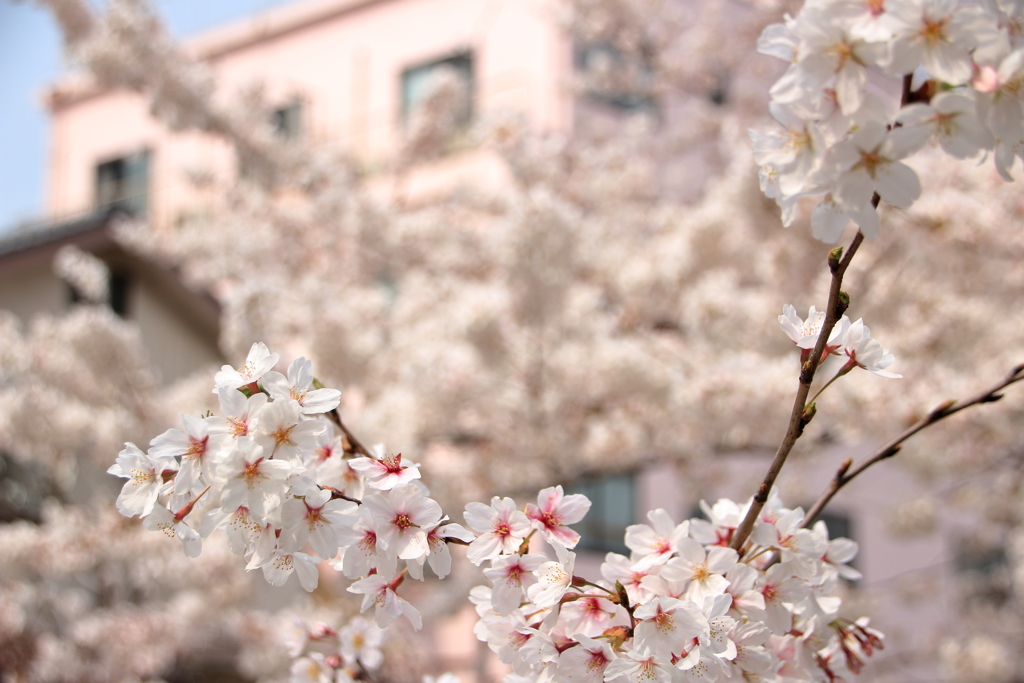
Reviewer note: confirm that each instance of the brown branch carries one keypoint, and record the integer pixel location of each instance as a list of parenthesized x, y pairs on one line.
[(845, 474), (802, 413), (338, 495), (353, 441)]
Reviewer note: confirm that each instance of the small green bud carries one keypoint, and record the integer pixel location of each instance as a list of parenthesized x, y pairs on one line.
[(834, 257)]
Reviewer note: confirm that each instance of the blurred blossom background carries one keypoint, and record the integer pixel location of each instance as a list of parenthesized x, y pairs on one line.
[(526, 240)]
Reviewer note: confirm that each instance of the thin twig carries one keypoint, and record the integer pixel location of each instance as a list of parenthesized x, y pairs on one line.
[(802, 413), (847, 472), (353, 441), (338, 495)]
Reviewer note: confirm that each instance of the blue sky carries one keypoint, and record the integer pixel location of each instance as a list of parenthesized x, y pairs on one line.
[(30, 57)]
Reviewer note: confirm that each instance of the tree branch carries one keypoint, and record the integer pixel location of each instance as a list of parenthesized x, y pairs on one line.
[(801, 414), (845, 474), (358, 447)]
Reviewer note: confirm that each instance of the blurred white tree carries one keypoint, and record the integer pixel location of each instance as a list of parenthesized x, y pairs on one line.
[(613, 304)]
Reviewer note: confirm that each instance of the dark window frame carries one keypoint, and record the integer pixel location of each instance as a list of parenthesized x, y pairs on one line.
[(613, 498), (463, 62), (124, 182)]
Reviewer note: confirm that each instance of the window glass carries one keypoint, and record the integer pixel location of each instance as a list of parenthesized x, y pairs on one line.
[(124, 183), (287, 121), (420, 82), (612, 508)]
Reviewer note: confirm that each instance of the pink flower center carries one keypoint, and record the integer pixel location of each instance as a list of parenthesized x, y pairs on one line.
[(196, 447)]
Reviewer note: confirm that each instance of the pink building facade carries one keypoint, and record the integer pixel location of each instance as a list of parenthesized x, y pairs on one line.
[(345, 71), (348, 71)]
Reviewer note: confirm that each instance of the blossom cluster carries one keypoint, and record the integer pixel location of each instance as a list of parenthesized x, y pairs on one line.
[(281, 478), (276, 475), (955, 67), (322, 654), (853, 340), (683, 606)]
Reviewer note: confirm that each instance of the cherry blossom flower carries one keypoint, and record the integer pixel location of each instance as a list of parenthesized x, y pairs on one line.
[(315, 518), (400, 517), (587, 662), (386, 471), (252, 480), (362, 552), (865, 352), (297, 386), (869, 161), (361, 641), (259, 361), (501, 526), (195, 447), (701, 570), (553, 580), (641, 665), (283, 432), (554, 510), (667, 624), (936, 33), (145, 476), (379, 592), (804, 332), (238, 524), (655, 544), (278, 567), (952, 117), (174, 526), (240, 412), (440, 557), (510, 576), (619, 568)]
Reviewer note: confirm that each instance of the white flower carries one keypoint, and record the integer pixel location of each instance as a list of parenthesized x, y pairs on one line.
[(297, 386), (667, 624), (869, 161), (145, 479), (281, 564), (195, 447), (865, 351), (163, 520), (259, 361), (655, 544), (386, 471), (501, 526), (510, 576), (379, 592), (554, 510), (640, 665), (804, 332), (400, 517), (553, 580), (587, 662), (240, 412), (953, 118), (284, 434), (936, 33), (701, 570), (362, 552), (440, 557), (316, 518), (252, 480)]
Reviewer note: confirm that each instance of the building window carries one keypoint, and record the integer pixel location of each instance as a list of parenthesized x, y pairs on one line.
[(420, 83), (124, 183), (984, 571), (613, 502), (612, 77), (118, 291), (286, 122)]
